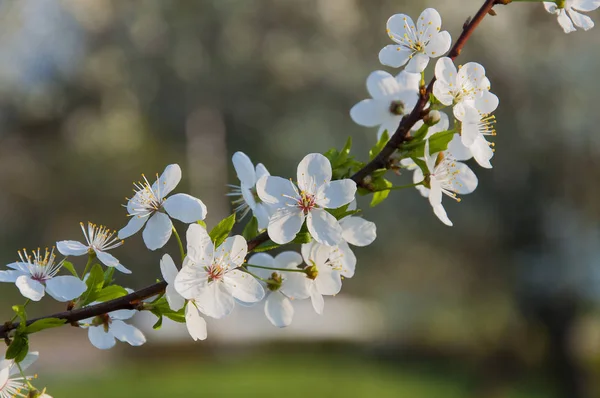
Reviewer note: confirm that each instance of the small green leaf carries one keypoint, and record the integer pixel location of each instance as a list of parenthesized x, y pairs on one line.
[(251, 229), (302, 237), (200, 222), (380, 196), (379, 146), (109, 276), (20, 311), (158, 323), (421, 132), (437, 143), (266, 246), (221, 231), (108, 293), (19, 348), (69, 267), (42, 324), (337, 213), (94, 282), (422, 165), (342, 156), (176, 316)]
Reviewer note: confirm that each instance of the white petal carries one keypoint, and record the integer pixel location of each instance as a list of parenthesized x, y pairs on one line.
[(122, 314), (244, 169), (191, 282), (30, 288), (445, 71), (439, 44), (357, 231), (472, 74), (29, 360), (232, 251), (176, 302), (394, 56), (168, 180), (216, 300), (417, 63), (440, 212), (200, 248), (329, 281), (435, 192), (276, 191), (565, 22), (196, 325), (296, 286), (10, 275), (317, 300), (65, 287), (550, 6), (585, 5), (157, 231), (185, 208), (264, 260), (262, 212), (316, 253), (248, 195), (580, 20), (285, 224), (323, 227), (127, 333), (289, 259), (261, 171), (458, 149), (399, 25), (465, 181), (337, 193), (5, 366), (370, 112), (111, 261), (487, 102), (429, 21), (244, 286), (134, 225), (101, 339), (381, 85), (71, 248), (345, 256), (279, 310), (313, 171), (168, 269), (442, 92), (482, 152)]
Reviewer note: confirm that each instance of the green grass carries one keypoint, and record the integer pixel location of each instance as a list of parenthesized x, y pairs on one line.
[(281, 377)]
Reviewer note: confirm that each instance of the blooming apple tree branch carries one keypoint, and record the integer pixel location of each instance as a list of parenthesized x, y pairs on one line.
[(316, 210)]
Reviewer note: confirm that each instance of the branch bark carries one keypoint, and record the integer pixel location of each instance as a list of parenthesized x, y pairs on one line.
[(131, 301)]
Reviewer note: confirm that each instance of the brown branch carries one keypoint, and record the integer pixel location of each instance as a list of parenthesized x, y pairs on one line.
[(131, 301)]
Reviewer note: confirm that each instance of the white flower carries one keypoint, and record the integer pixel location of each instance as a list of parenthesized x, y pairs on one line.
[(569, 13), (315, 193), (35, 275), (99, 240), (248, 175), (466, 88), (446, 176), (104, 329), (392, 98), (210, 276), (196, 325), (325, 277), (479, 148), (149, 201), (10, 386), (291, 285), (416, 43)]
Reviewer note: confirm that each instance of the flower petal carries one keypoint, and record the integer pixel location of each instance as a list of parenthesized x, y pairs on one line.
[(580, 20), (101, 339), (329, 281), (276, 191), (127, 333), (279, 310), (176, 302), (335, 194), (261, 171), (296, 285), (196, 325), (191, 282), (185, 208), (71, 248), (264, 260), (317, 300), (323, 227), (215, 300), (417, 63), (232, 251), (400, 25), (288, 259), (381, 84), (167, 181), (200, 248), (439, 44), (10, 275), (370, 112), (458, 150), (30, 288), (157, 231), (122, 314), (111, 261), (465, 180), (285, 224), (65, 287), (134, 225), (440, 212), (313, 171), (394, 56), (357, 231), (262, 212), (482, 152), (168, 269), (445, 71), (487, 102), (244, 169), (343, 255), (565, 22), (244, 286)]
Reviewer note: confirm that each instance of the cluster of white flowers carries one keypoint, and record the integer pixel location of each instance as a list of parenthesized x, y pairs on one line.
[(315, 210)]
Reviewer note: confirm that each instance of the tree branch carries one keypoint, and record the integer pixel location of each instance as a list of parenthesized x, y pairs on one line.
[(132, 301)]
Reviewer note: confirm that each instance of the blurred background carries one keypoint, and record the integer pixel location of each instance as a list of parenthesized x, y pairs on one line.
[(504, 304)]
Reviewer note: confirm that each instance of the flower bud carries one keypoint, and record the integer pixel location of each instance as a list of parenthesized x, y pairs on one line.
[(274, 282), (311, 272), (432, 118)]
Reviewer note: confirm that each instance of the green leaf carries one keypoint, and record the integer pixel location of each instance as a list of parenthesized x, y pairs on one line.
[(94, 282), (379, 146), (266, 246), (422, 165), (108, 293), (20, 311), (337, 213), (69, 267), (221, 231), (46, 323), (176, 316), (200, 222), (19, 348), (421, 132), (437, 143), (343, 154), (108, 275), (158, 323), (302, 237), (251, 229), (380, 196)]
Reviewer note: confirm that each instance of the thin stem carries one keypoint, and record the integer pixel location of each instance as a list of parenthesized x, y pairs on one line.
[(274, 269), (16, 316), (91, 258), (31, 387), (181, 250), (254, 275)]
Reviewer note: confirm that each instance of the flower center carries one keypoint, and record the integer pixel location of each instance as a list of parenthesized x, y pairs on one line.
[(146, 199), (397, 108), (306, 202), (312, 272), (215, 272)]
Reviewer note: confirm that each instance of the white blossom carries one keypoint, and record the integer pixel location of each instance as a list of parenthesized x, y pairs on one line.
[(463, 89), (392, 98), (99, 240), (356, 231), (569, 13), (291, 285), (325, 278), (150, 204), (248, 176), (210, 276), (196, 325), (416, 43), (314, 193), (12, 383), (104, 329), (35, 275)]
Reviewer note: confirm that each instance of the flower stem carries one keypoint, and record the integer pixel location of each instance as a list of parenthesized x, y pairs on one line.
[(254, 275), (274, 269), (181, 251), (25, 378), (24, 305), (91, 258)]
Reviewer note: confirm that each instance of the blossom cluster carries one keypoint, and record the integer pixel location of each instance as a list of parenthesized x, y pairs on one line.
[(317, 210)]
